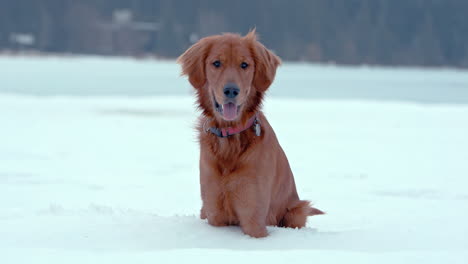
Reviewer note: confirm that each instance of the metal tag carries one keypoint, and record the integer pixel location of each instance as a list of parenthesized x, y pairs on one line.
[(258, 130)]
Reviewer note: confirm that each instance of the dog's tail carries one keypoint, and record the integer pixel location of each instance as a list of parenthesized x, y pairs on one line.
[(306, 208), (314, 211), (297, 214)]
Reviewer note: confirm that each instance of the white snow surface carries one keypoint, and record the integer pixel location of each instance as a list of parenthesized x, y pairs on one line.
[(115, 180)]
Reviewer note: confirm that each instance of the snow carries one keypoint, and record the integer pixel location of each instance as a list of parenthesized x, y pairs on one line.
[(107, 178), (95, 76)]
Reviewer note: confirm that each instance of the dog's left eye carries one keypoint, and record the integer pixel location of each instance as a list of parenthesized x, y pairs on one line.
[(244, 65), (217, 64)]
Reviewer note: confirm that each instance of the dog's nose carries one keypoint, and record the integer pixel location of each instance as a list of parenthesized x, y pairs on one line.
[(231, 90)]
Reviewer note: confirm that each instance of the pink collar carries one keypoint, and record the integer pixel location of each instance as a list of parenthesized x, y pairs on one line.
[(229, 131)]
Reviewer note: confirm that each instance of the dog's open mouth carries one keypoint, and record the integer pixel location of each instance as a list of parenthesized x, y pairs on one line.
[(229, 110)]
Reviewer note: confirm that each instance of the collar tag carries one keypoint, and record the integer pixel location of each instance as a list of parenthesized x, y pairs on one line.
[(258, 130)]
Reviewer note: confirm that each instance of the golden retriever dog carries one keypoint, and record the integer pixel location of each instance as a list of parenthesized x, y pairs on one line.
[(245, 176)]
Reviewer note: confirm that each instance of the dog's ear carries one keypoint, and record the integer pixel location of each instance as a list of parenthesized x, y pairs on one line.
[(193, 62), (266, 63)]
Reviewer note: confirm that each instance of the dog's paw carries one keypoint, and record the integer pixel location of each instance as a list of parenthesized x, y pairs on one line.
[(216, 220), (256, 232), (202, 214)]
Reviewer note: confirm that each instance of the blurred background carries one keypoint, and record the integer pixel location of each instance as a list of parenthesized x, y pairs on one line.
[(356, 49), (416, 32)]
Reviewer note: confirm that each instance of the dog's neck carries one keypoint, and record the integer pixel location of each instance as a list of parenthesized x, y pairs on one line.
[(228, 150), (224, 132)]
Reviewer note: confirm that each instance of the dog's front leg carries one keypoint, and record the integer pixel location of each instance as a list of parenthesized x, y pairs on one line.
[(211, 194), (252, 209)]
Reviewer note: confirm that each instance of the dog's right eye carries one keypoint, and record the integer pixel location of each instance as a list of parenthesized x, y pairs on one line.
[(217, 64)]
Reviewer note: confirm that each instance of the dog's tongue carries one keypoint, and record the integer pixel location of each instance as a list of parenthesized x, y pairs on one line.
[(229, 111)]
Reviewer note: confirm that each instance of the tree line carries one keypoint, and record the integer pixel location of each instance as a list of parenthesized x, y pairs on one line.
[(386, 32)]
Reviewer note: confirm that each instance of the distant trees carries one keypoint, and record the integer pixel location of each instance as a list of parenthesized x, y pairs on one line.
[(415, 32)]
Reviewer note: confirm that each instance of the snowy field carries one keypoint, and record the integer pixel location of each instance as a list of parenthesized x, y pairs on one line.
[(106, 178), (91, 76)]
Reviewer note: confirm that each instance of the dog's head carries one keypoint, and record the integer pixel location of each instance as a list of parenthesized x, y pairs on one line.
[(230, 74)]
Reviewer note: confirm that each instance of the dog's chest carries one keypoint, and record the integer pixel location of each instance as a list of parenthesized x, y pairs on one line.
[(229, 155), (230, 193)]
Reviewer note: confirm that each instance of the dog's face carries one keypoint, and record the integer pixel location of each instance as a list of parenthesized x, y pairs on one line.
[(229, 70), (230, 73)]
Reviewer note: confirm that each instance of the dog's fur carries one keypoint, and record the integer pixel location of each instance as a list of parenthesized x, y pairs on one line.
[(245, 179)]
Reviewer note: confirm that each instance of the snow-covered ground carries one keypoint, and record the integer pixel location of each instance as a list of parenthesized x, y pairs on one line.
[(93, 76), (112, 179)]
